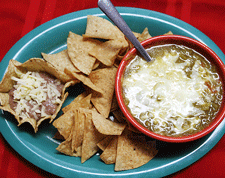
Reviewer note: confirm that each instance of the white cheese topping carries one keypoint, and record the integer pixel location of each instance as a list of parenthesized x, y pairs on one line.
[(161, 92), (31, 90)]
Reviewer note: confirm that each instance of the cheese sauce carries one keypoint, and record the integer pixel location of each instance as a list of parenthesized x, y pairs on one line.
[(178, 93)]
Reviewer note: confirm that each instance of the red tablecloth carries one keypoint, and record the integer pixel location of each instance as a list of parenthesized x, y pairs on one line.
[(18, 17)]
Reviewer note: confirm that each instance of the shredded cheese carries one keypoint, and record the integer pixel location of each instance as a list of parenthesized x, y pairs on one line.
[(31, 90)]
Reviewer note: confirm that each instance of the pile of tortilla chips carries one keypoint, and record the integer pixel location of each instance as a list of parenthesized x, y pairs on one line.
[(93, 120), (86, 125)]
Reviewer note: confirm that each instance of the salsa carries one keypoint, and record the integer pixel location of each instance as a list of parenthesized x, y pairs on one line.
[(178, 93)]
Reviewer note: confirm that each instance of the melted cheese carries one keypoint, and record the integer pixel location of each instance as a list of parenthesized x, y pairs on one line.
[(33, 90), (161, 93)]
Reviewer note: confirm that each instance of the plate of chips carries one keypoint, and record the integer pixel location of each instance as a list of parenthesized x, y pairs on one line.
[(90, 136)]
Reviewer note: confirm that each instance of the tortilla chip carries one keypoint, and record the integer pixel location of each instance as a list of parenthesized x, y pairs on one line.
[(109, 154), (78, 49), (105, 126), (114, 105), (34, 64), (107, 52), (105, 142), (60, 61), (40, 65), (78, 129), (64, 123), (98, 27), (66, 148), (91, 138), (169, 33), (84, 79), (7, 83), (145, 35), (79, 101), (133, 151), (105, 80)]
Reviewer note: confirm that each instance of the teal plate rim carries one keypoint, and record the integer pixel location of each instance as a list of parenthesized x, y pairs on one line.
[(39, 149)]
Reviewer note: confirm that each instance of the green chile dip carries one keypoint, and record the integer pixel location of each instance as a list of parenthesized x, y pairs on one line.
[(178, 93)]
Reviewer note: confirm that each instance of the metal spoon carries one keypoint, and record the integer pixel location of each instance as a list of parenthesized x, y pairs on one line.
[(108, 8)]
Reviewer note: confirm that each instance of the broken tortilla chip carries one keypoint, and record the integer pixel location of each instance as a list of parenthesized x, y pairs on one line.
[(106, 126)]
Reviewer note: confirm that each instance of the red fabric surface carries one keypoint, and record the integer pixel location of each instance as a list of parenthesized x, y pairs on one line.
[(19, 17)]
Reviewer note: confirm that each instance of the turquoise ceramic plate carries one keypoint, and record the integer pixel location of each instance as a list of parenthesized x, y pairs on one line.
[(40, 148)]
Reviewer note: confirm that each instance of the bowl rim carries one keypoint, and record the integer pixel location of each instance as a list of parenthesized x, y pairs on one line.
[(189, 42)]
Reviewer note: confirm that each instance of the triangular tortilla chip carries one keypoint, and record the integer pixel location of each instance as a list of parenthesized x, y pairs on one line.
[(109, 154), (105, 126), (78, 49), (105, 80), (60, 60), (98, 27), (91, 138), (64, 123), (85, 80), (79, 102), (133, 151), (107, 52)]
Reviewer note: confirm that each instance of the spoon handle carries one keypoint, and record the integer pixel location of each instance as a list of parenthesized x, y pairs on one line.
[(108, 8)]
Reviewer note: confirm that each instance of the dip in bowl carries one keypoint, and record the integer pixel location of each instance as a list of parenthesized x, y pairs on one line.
[(179, 95)]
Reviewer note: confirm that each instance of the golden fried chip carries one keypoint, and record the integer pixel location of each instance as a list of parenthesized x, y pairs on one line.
[(109, 154), (98, 27), (145, 35), (61, 61), (107, 52), (91, 138), (78, 129), (105, 80), (133, 151), (34, 64), (105, 142), (78, 49), (169, 33), (76, 100), (106, 126), (79, 102), (85, 80), (66, 148), (114, 105), (64, 123)]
